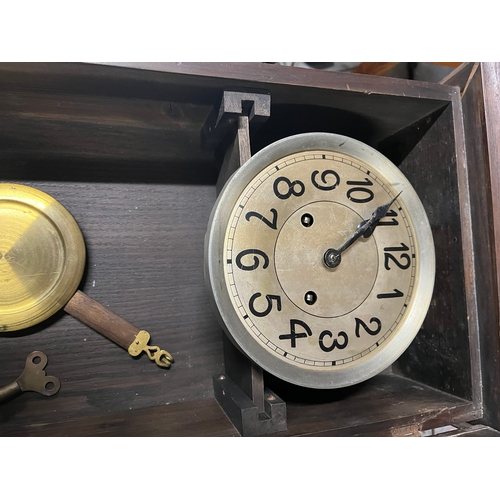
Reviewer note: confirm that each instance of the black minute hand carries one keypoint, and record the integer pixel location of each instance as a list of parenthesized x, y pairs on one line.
[(332, 256)]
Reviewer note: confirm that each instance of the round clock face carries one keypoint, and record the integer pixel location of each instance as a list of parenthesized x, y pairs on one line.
[(320, 260)]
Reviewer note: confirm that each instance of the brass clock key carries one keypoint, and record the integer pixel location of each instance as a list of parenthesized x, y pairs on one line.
[(32, 379), (300, 279)]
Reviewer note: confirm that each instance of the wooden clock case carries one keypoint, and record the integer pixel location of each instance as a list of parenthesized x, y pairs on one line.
[(119, 145)]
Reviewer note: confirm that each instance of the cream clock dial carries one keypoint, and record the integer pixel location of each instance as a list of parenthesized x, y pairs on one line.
[(319, 260)]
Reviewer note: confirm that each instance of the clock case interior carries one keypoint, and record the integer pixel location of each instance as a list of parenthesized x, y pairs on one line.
[(124, 148)]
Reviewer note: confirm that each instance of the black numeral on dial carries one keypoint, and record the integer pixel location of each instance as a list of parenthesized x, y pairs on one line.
[(403, 261), (360, 194), (294, 334), (392, 222), (335, 344), (256, 260), (392, 295), (293, 188), (326, 186), (272, 224), (269, 298), (361, 324)]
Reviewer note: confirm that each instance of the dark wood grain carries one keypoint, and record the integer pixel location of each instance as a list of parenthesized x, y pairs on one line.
[(264, 73), (50, 133), (487, 154), (491, 91), (201, 418), (50, 110), (440, 354), (387, 405), (380, 406)]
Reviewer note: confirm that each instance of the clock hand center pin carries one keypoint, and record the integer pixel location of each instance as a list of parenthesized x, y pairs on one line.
[(333, 257)]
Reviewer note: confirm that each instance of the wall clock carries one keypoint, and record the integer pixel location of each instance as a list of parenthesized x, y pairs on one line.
[(319, 260)]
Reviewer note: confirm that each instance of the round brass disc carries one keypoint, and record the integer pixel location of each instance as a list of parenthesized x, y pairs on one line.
[(42, 256)]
